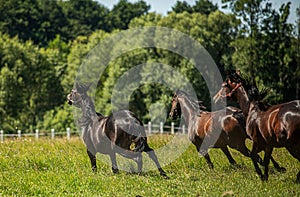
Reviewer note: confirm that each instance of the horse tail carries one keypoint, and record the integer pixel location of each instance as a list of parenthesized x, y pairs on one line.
[(140, 138), (141, 144)]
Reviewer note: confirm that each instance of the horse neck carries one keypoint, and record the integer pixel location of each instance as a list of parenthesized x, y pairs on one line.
[(187, 110), (243, 100), (88, 109)]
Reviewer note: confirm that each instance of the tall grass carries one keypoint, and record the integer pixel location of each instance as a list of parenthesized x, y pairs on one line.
[(61, 168)]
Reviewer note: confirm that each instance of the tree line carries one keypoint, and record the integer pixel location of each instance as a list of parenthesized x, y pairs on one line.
[(43, 43)]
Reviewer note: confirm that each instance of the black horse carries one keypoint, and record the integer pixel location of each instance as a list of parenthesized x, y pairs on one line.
[(113, 134)]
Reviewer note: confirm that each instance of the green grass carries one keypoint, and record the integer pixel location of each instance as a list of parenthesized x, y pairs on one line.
[(61, 168)]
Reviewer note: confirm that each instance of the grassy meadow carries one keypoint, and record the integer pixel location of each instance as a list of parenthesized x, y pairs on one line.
[(61, 168)]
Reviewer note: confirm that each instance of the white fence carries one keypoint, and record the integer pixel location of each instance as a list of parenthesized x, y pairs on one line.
[(150, 129)]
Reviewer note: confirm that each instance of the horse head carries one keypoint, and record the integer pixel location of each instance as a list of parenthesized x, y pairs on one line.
[(228, 89), (195, 105), (78, 93), (233, 82)]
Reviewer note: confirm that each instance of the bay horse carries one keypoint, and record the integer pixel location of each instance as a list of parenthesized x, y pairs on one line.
[(268, 126), (203, 124), (111, 134)]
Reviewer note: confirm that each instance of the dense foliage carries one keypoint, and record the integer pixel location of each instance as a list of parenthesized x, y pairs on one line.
[(43, 43)]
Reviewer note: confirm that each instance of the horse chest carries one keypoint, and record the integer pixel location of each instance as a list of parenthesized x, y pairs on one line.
[(252, 126)]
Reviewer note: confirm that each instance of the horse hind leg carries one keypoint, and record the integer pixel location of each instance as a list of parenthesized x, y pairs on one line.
[(135, 156), (153, 156)]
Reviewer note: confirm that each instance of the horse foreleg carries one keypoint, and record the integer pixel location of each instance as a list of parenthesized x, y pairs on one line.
[(268, 153), (295, 152), (139, 161), (277, 166), (92, 159), (254, 158), (208, 161), (245, 151), (114, 165), (228, 155)]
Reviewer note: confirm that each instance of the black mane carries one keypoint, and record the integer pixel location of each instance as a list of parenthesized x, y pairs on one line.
[(250, 86), (197, 105)]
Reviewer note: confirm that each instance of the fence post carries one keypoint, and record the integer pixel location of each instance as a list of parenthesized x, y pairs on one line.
[(149, 127), (19, 134), (161, 128), (52, 134), (37, 134), (1, 136), (172, 127), (183, 129), (68, 133)]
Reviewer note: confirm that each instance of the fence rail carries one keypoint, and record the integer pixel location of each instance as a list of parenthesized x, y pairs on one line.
[(150, 129)]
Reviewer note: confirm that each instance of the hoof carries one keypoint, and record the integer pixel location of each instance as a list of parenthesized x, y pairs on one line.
[(164, 175), (115, 170), (264, 178), (281, 169)]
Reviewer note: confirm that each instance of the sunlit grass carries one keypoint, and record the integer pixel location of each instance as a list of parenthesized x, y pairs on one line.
[(61, 168)]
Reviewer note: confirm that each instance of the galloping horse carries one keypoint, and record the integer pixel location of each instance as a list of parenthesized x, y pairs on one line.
[(203, 124), (268, 126), (112, 134)]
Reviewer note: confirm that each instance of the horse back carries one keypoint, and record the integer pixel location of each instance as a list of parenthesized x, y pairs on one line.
[(229, 121)]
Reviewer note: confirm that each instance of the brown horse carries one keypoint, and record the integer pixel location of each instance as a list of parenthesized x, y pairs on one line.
[(201, 124), (112, 134), (268, 126)]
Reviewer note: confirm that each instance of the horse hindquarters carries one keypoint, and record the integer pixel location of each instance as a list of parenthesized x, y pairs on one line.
[(142, 146)]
